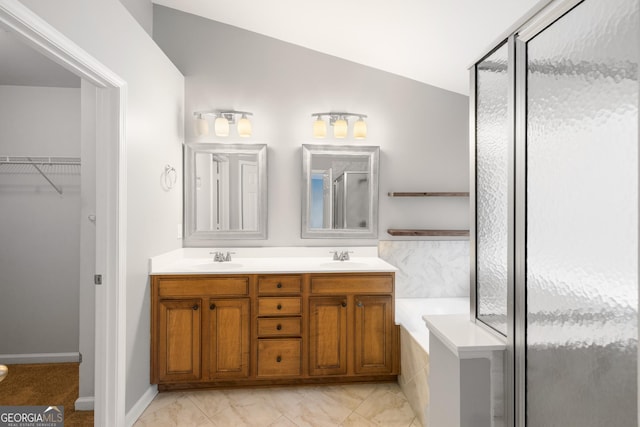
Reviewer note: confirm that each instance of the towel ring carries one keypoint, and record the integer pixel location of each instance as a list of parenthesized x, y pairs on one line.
[(170, 177)]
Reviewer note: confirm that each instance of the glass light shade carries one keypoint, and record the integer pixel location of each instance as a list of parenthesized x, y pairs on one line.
[(360, 129), (221, 126), (319, 128), (244, 127), (202, 126), (340, 128)]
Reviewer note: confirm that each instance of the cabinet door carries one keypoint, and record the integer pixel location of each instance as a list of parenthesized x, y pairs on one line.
[(328, 335), (179, 340), (228, 338), (373, 334)]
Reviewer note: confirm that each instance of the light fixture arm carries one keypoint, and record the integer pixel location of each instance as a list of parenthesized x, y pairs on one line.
[(230, 115), (336, 115)]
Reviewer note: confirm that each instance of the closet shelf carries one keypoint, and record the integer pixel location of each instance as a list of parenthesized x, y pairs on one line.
[(44, 166), (428, 194), (423, 232)]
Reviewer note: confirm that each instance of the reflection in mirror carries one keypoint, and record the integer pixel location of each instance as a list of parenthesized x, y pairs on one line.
[(340, 191), (225, 194)]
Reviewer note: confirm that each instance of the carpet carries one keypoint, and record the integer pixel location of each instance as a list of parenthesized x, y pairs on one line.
[(54, 384)]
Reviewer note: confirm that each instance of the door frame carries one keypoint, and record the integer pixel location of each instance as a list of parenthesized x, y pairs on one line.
[(110, 200)]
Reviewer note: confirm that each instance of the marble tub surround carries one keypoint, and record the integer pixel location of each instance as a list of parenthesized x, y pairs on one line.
[(414, 377), (269, 260), (341, 405), (428, 268)]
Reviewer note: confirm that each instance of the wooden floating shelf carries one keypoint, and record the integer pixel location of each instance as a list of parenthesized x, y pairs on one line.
[(427, 194), (416, 232)]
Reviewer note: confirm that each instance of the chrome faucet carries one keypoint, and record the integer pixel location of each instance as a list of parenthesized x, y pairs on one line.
[(221, 257), (342, 256)]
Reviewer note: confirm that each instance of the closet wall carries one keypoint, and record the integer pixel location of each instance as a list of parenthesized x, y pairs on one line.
[(39, 229)]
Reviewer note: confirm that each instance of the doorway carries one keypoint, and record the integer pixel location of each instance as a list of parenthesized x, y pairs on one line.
[(110, 110)]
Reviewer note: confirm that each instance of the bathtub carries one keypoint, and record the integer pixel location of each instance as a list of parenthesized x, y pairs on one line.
[(414, 343)]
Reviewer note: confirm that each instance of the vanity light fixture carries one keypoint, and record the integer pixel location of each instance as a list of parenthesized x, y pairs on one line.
[(224, 118), (202, 126), (340, 124)]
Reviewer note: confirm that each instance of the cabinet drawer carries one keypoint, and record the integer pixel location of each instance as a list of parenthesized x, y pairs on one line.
[(191, 286), (352, 284), (279, 326), (279, 284), (279, 357), (278, 306)]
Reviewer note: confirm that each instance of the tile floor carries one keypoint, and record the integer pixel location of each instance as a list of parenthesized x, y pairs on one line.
[(340, 405)]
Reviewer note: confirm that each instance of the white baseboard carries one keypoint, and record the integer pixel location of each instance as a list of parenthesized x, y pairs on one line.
[(21, 359), (134, 413), (84, 403)]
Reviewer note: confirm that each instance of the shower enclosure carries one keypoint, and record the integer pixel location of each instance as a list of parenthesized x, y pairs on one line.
[(555, 261)]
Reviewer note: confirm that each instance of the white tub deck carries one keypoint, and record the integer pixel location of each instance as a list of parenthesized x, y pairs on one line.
[(409, 312)]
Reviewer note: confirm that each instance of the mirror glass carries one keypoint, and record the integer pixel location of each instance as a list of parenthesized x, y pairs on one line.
[(340, 191), (225, 192)]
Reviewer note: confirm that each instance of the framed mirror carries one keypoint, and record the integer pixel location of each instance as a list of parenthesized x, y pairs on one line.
[(225, 193), (339, 191)]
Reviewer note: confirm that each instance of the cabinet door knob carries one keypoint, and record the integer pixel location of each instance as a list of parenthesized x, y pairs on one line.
[(359, 303), (344, 303), (279, 307), (279, 327), (279, 285), (212, 307), (195, 306), (279, 359)]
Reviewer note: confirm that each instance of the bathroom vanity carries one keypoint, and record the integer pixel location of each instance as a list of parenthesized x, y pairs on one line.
[(273, 321)]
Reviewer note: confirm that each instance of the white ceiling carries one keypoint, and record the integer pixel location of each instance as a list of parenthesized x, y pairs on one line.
[(431, 41)]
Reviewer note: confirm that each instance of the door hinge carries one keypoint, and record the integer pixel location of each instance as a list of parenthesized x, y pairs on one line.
[(97, 279), (80, 357)]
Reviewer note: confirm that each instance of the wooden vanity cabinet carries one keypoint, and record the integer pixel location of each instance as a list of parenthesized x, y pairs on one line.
[(279, 327), (353, 332), (328, 335), (200, 328), (178, 343), (272, 329)]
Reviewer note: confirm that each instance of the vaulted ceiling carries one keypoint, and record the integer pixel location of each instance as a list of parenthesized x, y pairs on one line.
[(431, 41)]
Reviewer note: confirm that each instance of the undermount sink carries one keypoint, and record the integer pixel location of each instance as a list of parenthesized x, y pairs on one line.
[(215, 266)]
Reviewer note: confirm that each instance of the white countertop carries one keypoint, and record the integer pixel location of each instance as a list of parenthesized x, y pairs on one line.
[(462, 337), (268, 260)]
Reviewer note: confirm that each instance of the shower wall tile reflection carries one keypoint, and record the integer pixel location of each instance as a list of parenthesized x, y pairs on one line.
[(428, 269)]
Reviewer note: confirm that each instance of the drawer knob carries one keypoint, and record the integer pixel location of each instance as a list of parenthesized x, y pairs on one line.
[(279, 327), (359, 303), (279, 307), (344, 303), (279, 285), (195, 306), (279, 359), (212, 307)]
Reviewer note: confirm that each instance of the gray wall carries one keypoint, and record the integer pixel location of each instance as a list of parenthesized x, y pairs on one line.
[(421, 129), (39, 229)]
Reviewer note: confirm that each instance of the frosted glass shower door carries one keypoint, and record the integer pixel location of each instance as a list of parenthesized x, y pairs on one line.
[(581, 218)]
